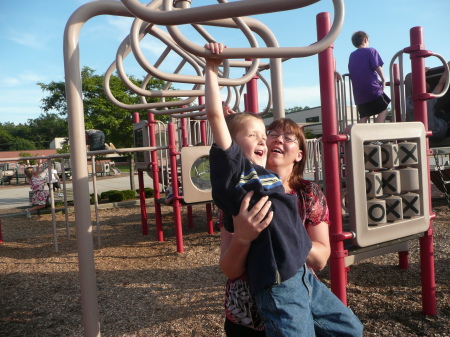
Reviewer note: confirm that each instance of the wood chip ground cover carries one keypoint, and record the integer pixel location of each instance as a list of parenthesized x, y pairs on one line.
[(146, 288)]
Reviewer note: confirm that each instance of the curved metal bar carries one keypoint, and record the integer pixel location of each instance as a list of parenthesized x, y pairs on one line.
[(275, 63), (141, 106), (213, 12), (135, 37), (266, 52), (398, 55), (124, 50), (138, 31), (269, 102), (446, 70)]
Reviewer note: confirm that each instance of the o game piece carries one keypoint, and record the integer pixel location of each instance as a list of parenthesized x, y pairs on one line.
[(376, 212), (394, 208), (374, 184), (372, 157), (408, 154), (389, 155)]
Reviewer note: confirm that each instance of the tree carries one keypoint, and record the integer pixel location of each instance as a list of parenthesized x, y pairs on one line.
[(21, 144), (99, 112), (5, 139), (47, 127)]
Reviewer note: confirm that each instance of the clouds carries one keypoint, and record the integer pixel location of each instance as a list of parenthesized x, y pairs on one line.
[(26, 39), (25, 78)]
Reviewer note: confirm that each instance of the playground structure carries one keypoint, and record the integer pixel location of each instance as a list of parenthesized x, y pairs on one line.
[(334, 138)]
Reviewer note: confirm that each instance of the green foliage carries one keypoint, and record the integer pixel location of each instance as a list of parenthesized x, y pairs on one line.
[(28, 154), (41, 131), (6, 140), (22, 144), (116, 196), (129, 194), (99, 112), (92, 198), (105, 195), (65, 147), (149, 192), (309, 134)]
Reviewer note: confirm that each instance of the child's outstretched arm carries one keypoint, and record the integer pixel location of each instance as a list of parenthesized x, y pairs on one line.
[(213, 100)]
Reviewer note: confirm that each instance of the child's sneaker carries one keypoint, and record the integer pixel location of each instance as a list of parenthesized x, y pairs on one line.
[(60, 195), (27, 212)]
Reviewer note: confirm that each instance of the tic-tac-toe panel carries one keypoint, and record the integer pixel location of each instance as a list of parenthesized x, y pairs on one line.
[(387, 183), (141, 139), (195, 174)]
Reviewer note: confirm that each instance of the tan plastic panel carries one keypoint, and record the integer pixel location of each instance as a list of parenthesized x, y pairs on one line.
[(356, 189), (195, 180), (141, 139)]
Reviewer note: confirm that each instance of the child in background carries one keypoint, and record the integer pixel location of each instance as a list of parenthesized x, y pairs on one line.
[(276, 259), (56, 183), (37, 185), (169, 193), (364, 66)]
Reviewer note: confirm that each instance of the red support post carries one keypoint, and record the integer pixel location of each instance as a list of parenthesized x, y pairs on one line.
[(338, 274), (142, 203), (420, 114), (155, 173), (144, 225), (252, 94), (176, 196), (184, 137)]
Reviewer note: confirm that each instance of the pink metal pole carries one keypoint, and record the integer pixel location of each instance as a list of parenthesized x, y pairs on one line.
[(184, 137), (420, 114), (203, 137), (176, 197), (144, 226), (331, 160), (209, 221), (142, 202), (252, 94), (155, 173), (403, 262)]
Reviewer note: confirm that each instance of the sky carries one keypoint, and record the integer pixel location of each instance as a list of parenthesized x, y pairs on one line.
[(31, 40)]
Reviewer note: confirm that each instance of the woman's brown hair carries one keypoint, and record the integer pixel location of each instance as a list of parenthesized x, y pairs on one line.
[(289, 126)]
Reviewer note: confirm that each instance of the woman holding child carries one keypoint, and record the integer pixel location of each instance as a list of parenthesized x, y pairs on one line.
[(286, 149), (292, 305)]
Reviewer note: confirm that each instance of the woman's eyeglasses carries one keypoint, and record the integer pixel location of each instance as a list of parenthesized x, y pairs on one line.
[(288, 137)]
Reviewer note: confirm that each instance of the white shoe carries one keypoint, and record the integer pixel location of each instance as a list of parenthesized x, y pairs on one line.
[(60, 195), (27, 212)]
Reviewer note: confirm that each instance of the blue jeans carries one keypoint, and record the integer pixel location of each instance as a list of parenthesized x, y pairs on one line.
[(304, 306)]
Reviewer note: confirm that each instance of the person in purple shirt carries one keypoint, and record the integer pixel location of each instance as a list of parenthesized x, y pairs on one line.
[(368, 82)]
